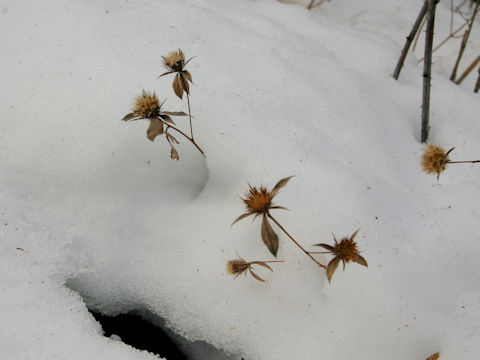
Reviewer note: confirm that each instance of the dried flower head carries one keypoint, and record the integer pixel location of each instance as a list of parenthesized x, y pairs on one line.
[(239, 266), (175, 62), (146, 105), (344, 251), (258, 201), (435, 159)]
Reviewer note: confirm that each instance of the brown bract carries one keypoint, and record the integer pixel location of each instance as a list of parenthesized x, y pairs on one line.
[(175, 62), (435, 159), (435, 356), (240, 266), (344, 251), (258, 201)]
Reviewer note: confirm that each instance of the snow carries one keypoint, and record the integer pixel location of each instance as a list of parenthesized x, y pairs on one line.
[(93, 214)]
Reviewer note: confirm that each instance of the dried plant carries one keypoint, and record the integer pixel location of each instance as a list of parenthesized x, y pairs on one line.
[(435, 356), (344, 251), (435, 160), (175, 62), (147, 106), (240, 266), (258, 202)]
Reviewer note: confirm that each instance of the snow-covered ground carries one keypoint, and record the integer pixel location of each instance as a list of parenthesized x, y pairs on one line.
[(88, 203)]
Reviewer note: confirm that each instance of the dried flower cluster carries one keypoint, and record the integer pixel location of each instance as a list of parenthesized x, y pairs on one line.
[(147, 106), (435, 160), (239, 266), (344, 251), (258, 202)]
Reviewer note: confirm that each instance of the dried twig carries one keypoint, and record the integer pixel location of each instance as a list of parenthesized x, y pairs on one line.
[(410, 38), (477, 85), (468, 70), (463, 45)]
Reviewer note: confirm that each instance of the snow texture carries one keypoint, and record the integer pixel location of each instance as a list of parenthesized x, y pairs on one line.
[(89, 206)]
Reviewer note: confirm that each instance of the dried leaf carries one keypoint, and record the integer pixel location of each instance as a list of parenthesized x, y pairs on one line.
[(255, 275), (331, 267), (361, 260), (263, 263), (185, 85), (279, 207), (177, 86), (175, 113), (186, 62), (171, 138), (174, 154), (354, 234), (243, 216), (155, 129), (326, 246), (435, 356), (268, 236), (280, 185), (167, 118), (166, 73), (187, 75), (129, 116)]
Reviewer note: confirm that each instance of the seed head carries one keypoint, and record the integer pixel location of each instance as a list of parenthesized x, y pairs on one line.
[(434, 159), (174, 61), (237, 267), (257, 200), (146, 105), (346, 250)]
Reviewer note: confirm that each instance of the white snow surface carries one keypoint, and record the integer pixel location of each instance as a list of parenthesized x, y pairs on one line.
[(87, 201)]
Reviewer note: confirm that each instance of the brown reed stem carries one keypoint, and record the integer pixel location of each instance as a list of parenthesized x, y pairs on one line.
[(468, 70), (410, 38), (296, 243), (477, 85)]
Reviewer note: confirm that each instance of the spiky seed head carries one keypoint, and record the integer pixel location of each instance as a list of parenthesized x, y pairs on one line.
[(257, 200), (346, 249), (174, 61), (434, 160), (146, 105), (237, 266)]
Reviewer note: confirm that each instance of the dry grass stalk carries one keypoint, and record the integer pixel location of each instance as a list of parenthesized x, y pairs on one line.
[(258, 202), (435, 160), (344, 251), (240, 266)]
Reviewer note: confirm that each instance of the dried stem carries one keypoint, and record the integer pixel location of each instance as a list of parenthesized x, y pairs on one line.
[(183, 134), (468, 70), (296, 243), (464, 43), (410, 38), (477, 85), (190, 116), (463, 162), (427, 68), (419, 32), (452, 35), (313, 4)]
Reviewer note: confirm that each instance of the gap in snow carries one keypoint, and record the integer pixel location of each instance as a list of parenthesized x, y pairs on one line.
[(144, 330)]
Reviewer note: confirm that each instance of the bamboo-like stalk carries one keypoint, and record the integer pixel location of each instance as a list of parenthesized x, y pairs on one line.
[(427, 69), (410, 38), (468, 70), (463, 45)]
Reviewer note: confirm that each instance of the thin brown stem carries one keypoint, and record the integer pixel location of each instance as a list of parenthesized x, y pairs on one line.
[(464, 43), (190, 115), (311, 4), (296, 243), (468, 70), (477, 85), (419, 32), (184, 135), (463, 162)]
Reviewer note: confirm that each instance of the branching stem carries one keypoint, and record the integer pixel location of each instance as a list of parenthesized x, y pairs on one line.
[(184, 135), (296, 243)]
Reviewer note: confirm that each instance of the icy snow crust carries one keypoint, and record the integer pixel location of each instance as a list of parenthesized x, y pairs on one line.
[(279, 91)]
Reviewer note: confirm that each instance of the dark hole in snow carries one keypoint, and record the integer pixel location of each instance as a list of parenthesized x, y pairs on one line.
[(139, 333)]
